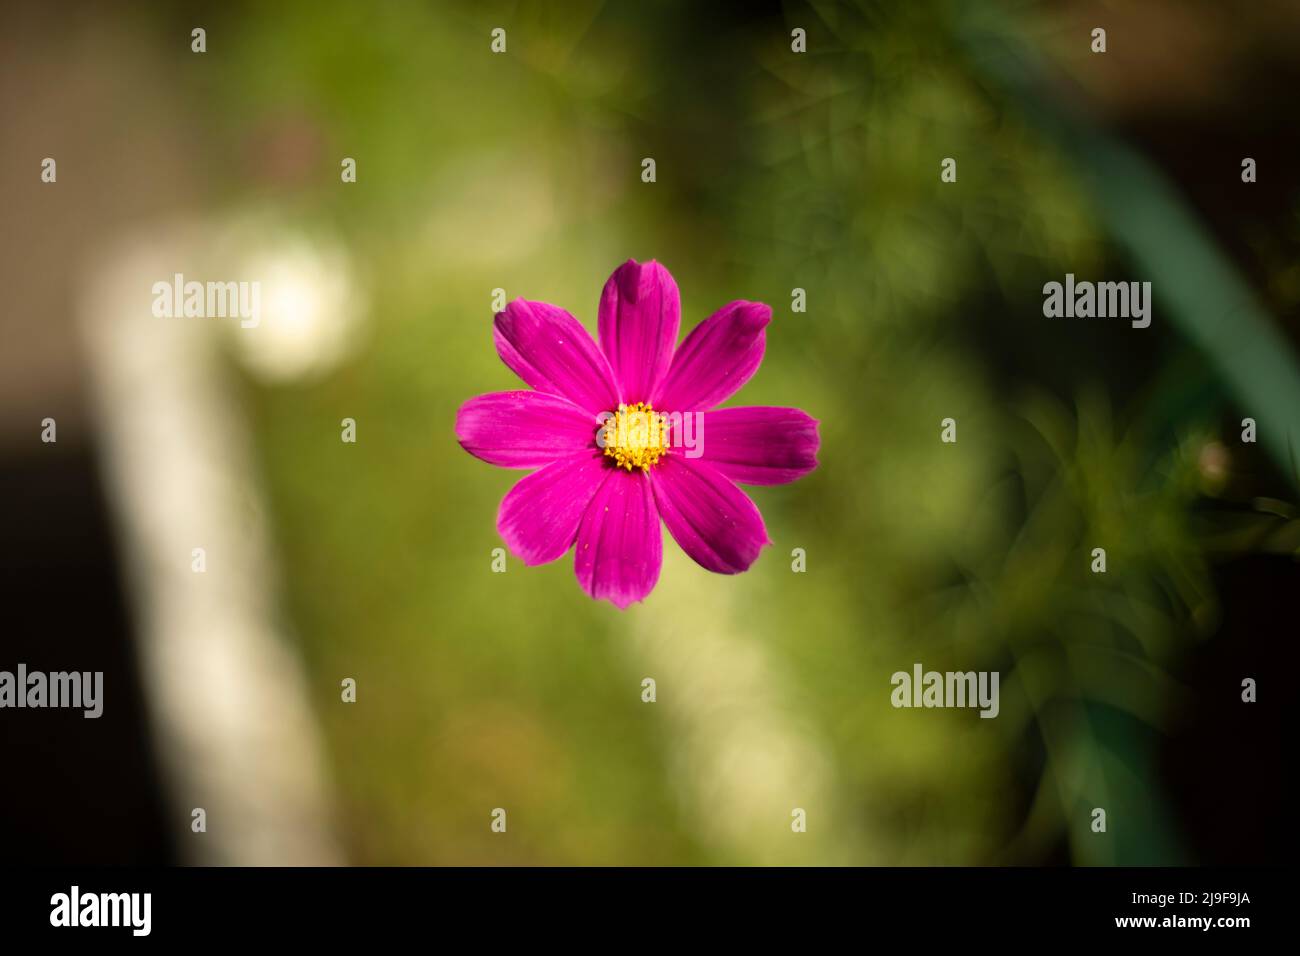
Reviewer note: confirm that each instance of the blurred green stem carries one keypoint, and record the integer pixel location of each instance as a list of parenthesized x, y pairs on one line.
[(1196, 285)]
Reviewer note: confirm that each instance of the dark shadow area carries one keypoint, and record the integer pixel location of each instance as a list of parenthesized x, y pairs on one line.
[(77, 790)]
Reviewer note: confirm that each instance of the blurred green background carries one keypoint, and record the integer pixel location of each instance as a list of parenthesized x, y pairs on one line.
[(777, 171), (774, 171)]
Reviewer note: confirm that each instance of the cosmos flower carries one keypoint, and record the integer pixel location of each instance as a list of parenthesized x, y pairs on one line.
[(607, 428)]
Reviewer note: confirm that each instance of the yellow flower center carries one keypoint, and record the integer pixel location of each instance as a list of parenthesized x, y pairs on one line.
[(635, 436)]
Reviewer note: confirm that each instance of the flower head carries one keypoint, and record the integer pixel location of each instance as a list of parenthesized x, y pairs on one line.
[(627, 433)]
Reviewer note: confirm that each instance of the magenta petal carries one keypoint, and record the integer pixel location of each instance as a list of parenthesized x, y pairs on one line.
[(713, 520), (759, 445), (551, 351), (524, 429), (539, 516), (620, 544), (640, 314), (718, 357)]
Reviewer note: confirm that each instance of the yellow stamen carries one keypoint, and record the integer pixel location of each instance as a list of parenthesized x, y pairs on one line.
[(635, 436)]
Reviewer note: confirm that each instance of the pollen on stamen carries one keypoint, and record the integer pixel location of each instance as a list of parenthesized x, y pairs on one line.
[(635, 436)]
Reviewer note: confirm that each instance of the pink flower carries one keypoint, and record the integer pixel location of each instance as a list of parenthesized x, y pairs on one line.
[(603, 478)]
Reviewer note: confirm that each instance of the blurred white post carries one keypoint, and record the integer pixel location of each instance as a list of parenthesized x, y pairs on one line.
[(232, 724)]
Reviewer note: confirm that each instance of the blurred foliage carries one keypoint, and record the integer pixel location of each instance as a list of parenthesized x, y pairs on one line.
[(775, 171)]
